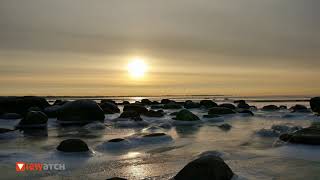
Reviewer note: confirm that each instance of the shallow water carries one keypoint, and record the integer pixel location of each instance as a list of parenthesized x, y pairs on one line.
[(249, 155)]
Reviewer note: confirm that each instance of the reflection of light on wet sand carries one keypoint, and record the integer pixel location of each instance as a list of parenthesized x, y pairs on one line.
[(132, 154)]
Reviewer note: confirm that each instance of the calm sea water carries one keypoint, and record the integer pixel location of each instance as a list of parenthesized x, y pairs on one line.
[(249, 155)]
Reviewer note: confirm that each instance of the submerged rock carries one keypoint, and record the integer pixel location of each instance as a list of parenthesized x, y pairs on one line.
[(135, 107), (208, 103), (185, 115), (310, 135), (109, 108), (34, 119), (209, 167), (228, 105), (165, 101), (277, 130), (270, 108), (10, 116), (299, 108), (80, 112), (315, 104), (132, 115), (73, 145), (220, 111)]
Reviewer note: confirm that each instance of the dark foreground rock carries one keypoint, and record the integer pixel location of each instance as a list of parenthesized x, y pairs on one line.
[(172, 105), (135, 107), (132, 115), (21, 105), (109, 108), (190, 105), (185, 115), (228, 105), (73, 145), (299, 108), (271, 108), (221, 111), (34, 119), (310, 135), (208, 104), (207, 167), (315, 104), (80, 112)]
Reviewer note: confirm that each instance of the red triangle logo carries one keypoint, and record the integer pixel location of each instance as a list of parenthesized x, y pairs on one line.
[(20, 166)]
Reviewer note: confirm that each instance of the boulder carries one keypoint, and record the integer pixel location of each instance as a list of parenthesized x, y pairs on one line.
[(225, 127), (209, 167), (172, 105), (73, 145), (190, 105), (133, 115), (109, 108), (52, 111), (208, 103), (299, 108), (185, 115), (60, 102), (243, 105), (80, 112), (309, 135), (221, 111), (228, 105), (165, 101), (270, 108), (21, 105), (108, 101), (135, 107), (315, 104), (125, 102), (283, 107), (10, 116), (152, 113), (34, 119), (156, 107), (146, 102)]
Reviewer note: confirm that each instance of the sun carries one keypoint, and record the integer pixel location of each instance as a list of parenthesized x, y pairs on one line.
[(137, 68)]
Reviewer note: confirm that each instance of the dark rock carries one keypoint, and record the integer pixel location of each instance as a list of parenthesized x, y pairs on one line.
[(73, 145), (146, 102), (152, 113), (185, 115), (299, 108), (133, 115), (116, 140), (253, 108), (225, 127), (220, 111), (208, 103), (190, 105), (137, 108), (174, 113), (228, 105), (108, 101), (172, 105), (283, 107), (52, 111), (154, 135), (243, 105), (125, 102), (270, 108), (35, 109), (116, 178), (10, 116), (60, 102), (207, 167), (239, 102), (33, 119), (3, 130), (315, 104), (109, 108), (156, 107), (246, 112), (165, 101), (80, 111), (21, 105), (309, 135)]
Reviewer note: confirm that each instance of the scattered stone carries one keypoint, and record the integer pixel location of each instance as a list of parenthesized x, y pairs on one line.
[(3, 130), (125, 102), (220, 111), (315, 104), (310, 135), (228, 105), (52, 111), (60, 102), (185, 115), (156, 107), (20, 105), (73, 145), (133, 115), (190, 105), (165, 101), (225, 127), (242, 104), (207, 167), (80, 112), (271, 108), (172, 105), (299, 108), (109, 108), (116, 178), (208, 104), (146, 102), (283, 107), (135, 107), (34, 119), (211, 116)]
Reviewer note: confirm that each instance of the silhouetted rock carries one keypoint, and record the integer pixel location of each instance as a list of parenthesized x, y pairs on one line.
[(283, 107), (60, 102), (299, 108), (185, 115), (109, 108), (225, 127), (220, 111), (165, 101), (34, 119), (80, 112), (146, 102), (309, 135), (116, 140), (52, 111), (315, 104), (125, 102), (228, 105), (108, 101), (152, 113), (172, 105), (137, 108), (208, 103), (270, 108), (133, 115), (190, 105), (207, 167), (21, 105), (4, 130), (10, 116), (73, 145), (242, 104)]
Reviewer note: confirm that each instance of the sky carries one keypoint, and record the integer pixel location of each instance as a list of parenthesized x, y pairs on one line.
[(82, 47)]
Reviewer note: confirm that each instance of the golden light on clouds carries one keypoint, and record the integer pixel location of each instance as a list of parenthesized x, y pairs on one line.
[(137, 68)]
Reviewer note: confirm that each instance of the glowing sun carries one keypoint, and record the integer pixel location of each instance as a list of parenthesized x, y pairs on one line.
[(137, 68)]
